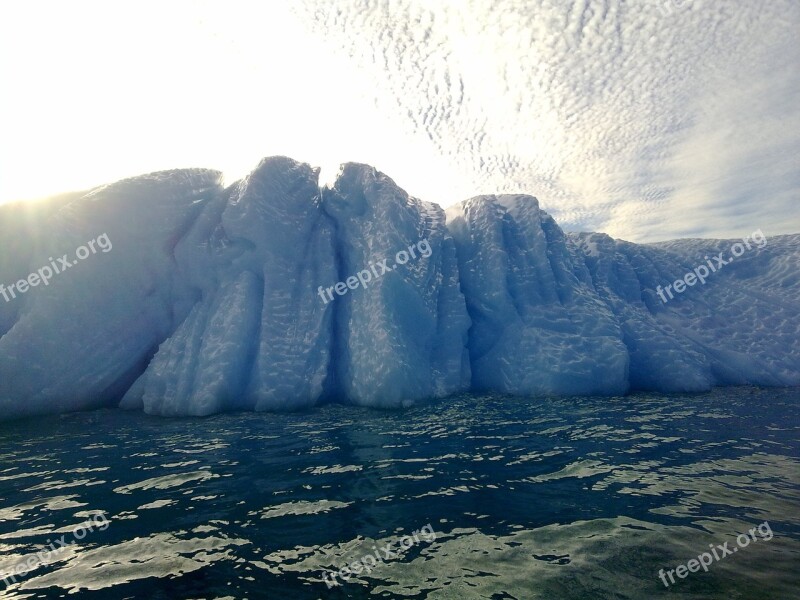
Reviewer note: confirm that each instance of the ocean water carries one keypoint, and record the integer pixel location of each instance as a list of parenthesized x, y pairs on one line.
[(576, 498)]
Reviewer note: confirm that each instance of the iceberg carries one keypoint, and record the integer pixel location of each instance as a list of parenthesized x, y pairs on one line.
[(276, 294)]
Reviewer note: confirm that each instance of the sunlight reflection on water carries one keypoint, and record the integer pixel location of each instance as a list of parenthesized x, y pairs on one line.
[(548, 498)]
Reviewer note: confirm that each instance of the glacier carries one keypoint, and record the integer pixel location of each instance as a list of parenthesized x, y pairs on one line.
[(210, 300)]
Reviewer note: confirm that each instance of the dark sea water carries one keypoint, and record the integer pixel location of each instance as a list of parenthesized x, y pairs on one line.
[(547, 498)]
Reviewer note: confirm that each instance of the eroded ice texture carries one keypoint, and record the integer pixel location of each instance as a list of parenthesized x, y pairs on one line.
[(581, 313), (741, 327), (538, 327), (258, 336), (80, 341), (403, 337), (210, 300)]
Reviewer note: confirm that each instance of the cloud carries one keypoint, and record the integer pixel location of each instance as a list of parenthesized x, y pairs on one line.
[(645, 119)]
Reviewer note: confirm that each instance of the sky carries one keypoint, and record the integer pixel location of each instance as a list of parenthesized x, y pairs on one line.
[(646, 119)]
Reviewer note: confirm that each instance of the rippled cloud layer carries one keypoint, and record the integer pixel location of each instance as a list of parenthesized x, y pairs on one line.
[(646, 119)]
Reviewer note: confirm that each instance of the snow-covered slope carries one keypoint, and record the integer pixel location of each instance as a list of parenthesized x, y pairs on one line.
[(256, 297)]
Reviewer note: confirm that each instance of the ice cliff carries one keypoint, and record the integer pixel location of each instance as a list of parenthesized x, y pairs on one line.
[(581, 313), (216, 298)]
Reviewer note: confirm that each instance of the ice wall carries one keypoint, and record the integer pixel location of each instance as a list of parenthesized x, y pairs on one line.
[(742, 326), (208, 300), (402, 336), (539, 327), (257, 338), (584, 313), (81, 340), (249, 298)]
